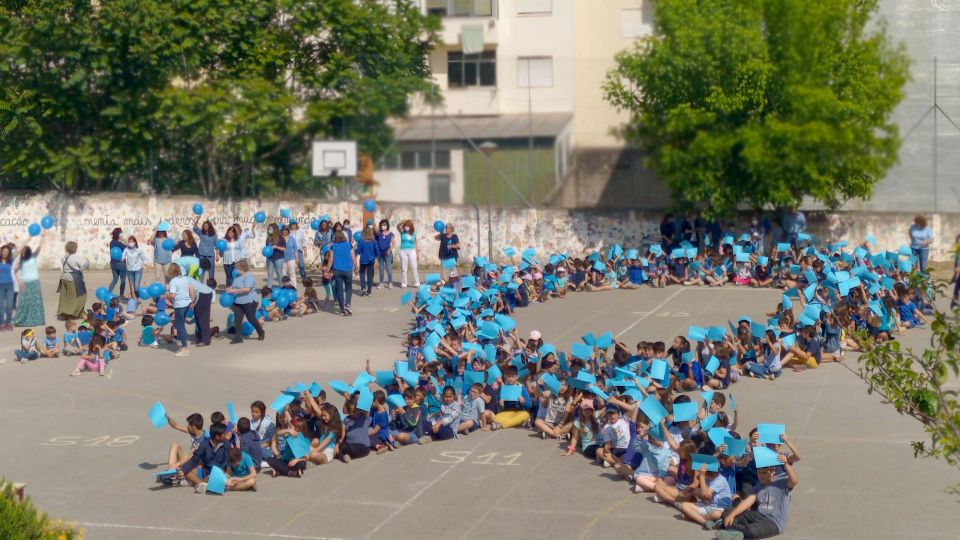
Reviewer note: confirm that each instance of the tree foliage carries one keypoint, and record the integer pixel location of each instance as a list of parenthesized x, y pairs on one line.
[(759, 103), (922, 386), (221, 97), (20, 520)]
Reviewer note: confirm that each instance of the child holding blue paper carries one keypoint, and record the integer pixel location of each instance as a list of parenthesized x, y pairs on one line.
[(514, 412), (177, 456), (713, 495), (284, 462), (763, 513), (770, 367)]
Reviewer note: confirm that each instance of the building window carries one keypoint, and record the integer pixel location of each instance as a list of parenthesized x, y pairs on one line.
[(534, 72), (635, 22), (410, 160), (534, 7), (465, 70), (439, 188), (437, 7), (471, 8), (441, 160)]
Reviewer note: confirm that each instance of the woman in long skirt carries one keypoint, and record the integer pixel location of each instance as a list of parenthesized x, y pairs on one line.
[(30, 300), (72, 289)]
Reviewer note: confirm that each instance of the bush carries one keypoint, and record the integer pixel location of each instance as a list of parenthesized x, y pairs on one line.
[(21, 521)]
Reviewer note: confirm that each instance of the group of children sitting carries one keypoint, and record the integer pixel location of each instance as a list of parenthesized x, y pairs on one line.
[(656, 414)]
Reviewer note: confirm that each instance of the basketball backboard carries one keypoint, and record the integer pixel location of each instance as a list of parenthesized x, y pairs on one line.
[(334, 158)]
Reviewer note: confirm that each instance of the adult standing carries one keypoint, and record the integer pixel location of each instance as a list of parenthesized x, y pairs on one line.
[(921, 237), (341, 266), (323, 237), (385, 258), (408, 253), (201, 309), (243, 235), (162, 257), (298, 235), (245, 302), (118, 268), (72, 288), (6, 288), (232, 254), (290, 247), (30, 300), (135, 259), (367, 253), (449, 247), (275, 260), (667, 232), (182, 294), (208, 242)]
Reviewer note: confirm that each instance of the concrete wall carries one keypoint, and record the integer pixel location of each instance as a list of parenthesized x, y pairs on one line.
[(88, 220)]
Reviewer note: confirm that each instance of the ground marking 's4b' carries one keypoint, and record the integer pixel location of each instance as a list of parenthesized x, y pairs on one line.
[(489, 458)]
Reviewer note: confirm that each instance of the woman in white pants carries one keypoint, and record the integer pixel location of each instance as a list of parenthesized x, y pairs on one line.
[(408, 253)]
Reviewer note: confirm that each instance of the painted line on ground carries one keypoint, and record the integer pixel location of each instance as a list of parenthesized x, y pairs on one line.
[(217, 532), (654, 310)]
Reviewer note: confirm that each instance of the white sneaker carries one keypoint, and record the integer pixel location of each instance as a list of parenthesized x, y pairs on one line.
[(656, 499), (201, 488), (389, 286), (417, 284), (182, 352), (605, 464), (154, 345), (75, 373), (426, 439)]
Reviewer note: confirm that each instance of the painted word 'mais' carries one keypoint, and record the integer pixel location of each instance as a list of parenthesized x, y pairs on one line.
[(104, 440), (489, 458)]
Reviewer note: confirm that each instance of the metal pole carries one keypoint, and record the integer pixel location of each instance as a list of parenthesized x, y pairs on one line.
[(530, 134), (936, 180)]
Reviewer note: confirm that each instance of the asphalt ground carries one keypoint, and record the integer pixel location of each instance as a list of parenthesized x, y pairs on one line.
[(88, 453)]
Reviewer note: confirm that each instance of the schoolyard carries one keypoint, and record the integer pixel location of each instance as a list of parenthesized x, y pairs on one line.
[(88, 453)]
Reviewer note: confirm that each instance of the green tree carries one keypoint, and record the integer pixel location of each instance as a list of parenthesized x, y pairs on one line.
[(758, 103), (221, 97), (922, 386)]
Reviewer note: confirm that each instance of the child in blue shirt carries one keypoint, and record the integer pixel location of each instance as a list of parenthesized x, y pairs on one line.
[(48, 347), (71, 343)]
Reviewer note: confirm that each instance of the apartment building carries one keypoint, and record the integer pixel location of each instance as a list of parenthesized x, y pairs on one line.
[(521, 85)]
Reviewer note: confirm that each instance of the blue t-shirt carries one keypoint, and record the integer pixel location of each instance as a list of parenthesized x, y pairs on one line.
[(408, 240), (342, 256), (245, 466), (722, 495), (367, 251), (245, 281), (290, 254)]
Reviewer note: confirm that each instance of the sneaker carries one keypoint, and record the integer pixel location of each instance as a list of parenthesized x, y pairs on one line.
[(201, 488), (495, 426), (102, 373), (728, 535), (417, 284), (75, 373), (605, 464), (543, 435), (154, 345), (182, 352), (348, 310), (389, 286), (710, 524), (379, 286), (426, 439), (345, 458), (636, 489), (381, 449), (656, 499), (23, 360)]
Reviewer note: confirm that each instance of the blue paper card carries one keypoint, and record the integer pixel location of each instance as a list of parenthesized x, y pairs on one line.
[(589, 339), (734, 447), (707, 397), (703, 460), (217, 482), (232, 413), (158, 415), (770, 433), (406, 298), (551, 382), (449, 263), (716, 333), (789, 340), (765, 457), (299, 445), (757, 330), (743, 257), (581, 351), (339, 386), (281, 402), (365, 400), (433, 278), (684, 412), (605, 340), (547, 349), (687, 357), (653, 409), (385, 378), (493, 373), (810, 292), (598, 392), (783, 247), (585, 376), (658, 370), (712, 365), (166, 472), (697, 333), (708, 422), (315, 389), (511, 392), (717, 435), (396, 400)]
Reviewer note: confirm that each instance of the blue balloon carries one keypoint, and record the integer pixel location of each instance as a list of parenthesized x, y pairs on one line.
[(47, 222), (285, 212), (102, 294), (156, 289), (143, 293), (198, 209), (260, 217), (246, 328), (369, 205), (116, 253), (147, 336), (315, 224), (438, 226), (161, 318), (168, 244), (34, 229), (356, 236), (221, 245), (226, 300), (281, 301), (267, 251)]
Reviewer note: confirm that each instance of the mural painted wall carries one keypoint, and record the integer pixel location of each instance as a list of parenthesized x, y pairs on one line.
[(88, 220)]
